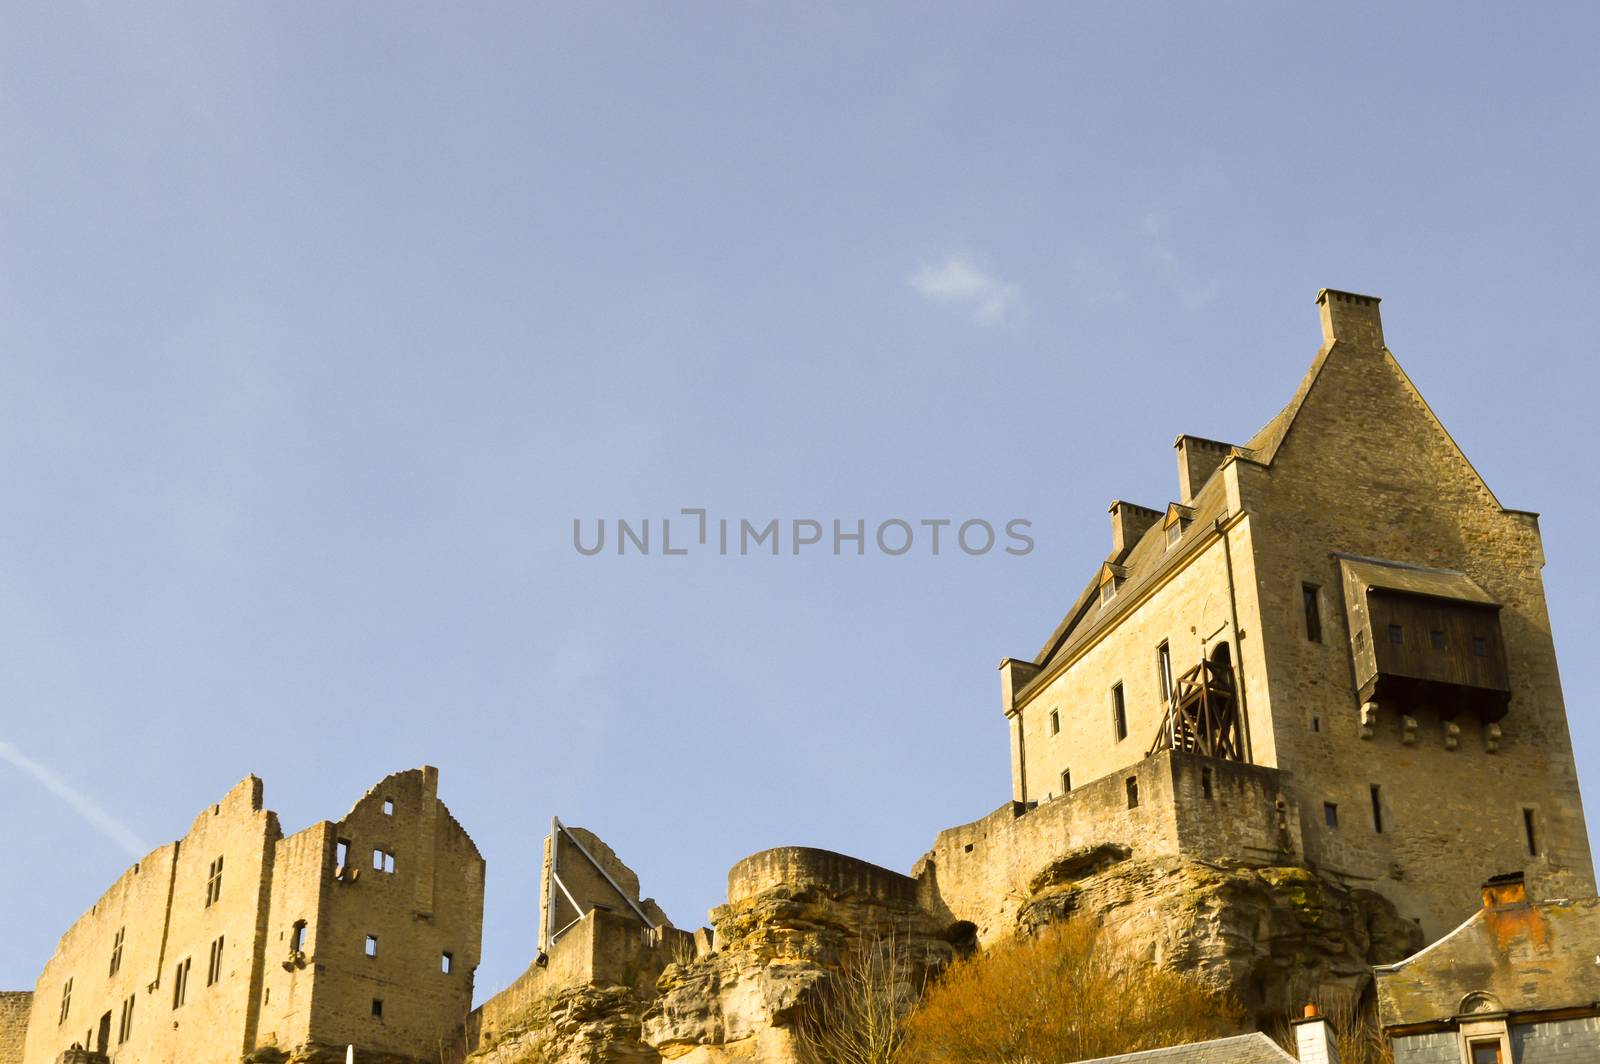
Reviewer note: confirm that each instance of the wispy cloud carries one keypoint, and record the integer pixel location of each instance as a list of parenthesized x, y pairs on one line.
[(958, 280), (1194, 292), (85, 806)]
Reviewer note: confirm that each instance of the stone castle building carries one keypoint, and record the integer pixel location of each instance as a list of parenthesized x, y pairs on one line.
[(238, 942), (1343, 603)]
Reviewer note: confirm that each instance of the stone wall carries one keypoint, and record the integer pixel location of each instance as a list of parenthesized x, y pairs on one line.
[(220, 906), (15, 1006), (978, 873), (800, 868)]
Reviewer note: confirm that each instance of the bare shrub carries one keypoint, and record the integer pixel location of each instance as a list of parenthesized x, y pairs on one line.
[(857, 1015), (1356, 1030), (1064, 994)]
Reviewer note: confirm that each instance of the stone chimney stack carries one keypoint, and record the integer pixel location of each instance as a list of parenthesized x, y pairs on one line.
[(1503, 890), (1128, 523), (1314, 1039), (1197, 459), (1350, 319)]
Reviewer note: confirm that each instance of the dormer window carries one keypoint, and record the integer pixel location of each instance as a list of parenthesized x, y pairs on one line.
[(1177, 519), (1111, 577), (1108, 591), (1174, 534)]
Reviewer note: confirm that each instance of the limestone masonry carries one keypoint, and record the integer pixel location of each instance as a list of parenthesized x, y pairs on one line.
[(1296, 718)]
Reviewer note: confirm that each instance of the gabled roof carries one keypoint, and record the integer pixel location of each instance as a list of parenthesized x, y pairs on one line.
[(1240, 1049)]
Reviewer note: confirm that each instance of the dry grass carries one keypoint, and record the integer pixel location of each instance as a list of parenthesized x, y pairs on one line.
[(1355, 1030)]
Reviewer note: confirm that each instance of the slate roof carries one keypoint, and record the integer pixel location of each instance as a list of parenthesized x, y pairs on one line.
[(1526, 957), (1240, 1049)]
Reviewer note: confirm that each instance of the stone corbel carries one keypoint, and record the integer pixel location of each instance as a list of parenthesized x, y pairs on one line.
[(1369, 719), (1452, 735), (1491, 738), (1408, 730)]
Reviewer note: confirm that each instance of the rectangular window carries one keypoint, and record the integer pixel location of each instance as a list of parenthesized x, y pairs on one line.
[(1397, 635), (1480, 647), (1377, 809), (1205, 784), (116, 951), (1330, 814), (1108, 591), (1436, 637), (382, 861), (1174, 534), (388, 807), (1529, 828), (214, 883), (377, 1008), (1119, 713), (1311, 604), (125, 1023), (214, 965), (1055, 722), (66, 1001), (446, 961), (1487, 1053), (180, 983), (1066, 781), (372, 945), (1316, 724), (1164, 671), (297, 937), (1133, 792)]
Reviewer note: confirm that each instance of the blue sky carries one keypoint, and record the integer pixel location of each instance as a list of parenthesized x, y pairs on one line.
[(322, 323)]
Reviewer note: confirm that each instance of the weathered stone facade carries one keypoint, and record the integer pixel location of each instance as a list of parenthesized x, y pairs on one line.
[(237, 941), (15, 1006), (1416, 791)]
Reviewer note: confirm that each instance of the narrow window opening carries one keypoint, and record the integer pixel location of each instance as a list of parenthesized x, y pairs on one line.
[(1119, 713), (1066, 780), (1480, 647), (1174, 534), (1377, 809), (214, 883), (1205, 783), (445, 962), (372, 945), (180, 982), (116, 951), (1108, 591), (66, 1001), (1397, 634), (1311, 604), (1164, 671), (1361, 638), (1436, 637), (1330, 815), (125, 1023), (341, 854), (297, 937), (388, 807), (214, 964), (1529, 827), (1055, 722), (1133, 792), (377, 1008), (1316, 724)]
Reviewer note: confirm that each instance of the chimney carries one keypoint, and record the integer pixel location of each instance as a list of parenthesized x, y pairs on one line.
[(1014, 676), (1128, 523), (1505, 890), (1350, 319), (1314, 1039), (1197, 459)]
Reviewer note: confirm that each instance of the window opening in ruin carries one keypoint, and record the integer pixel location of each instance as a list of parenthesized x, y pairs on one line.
[(102, 1041), (1529, 829), (372, 945), (388, 807), (1205, 783), (116, 951), (1119, 713), (1055, 722), (214, 965), (180, 983), (1377, 809), (297, 938), (1330, 814), (1396, 634), (1436, 637), (445, 962), (1066, 780), (1480, 647), (214, 883), (1309, 602), (377, 1008), (1164, 671), (66, 1001), (967, 848), (125, 1021), (1133, 792), (341, 853), (382, 861), (1316, 724)]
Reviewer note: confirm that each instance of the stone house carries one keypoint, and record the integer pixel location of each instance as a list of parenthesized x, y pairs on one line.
[(1517, 983), (1342, 604), (236, 941)]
